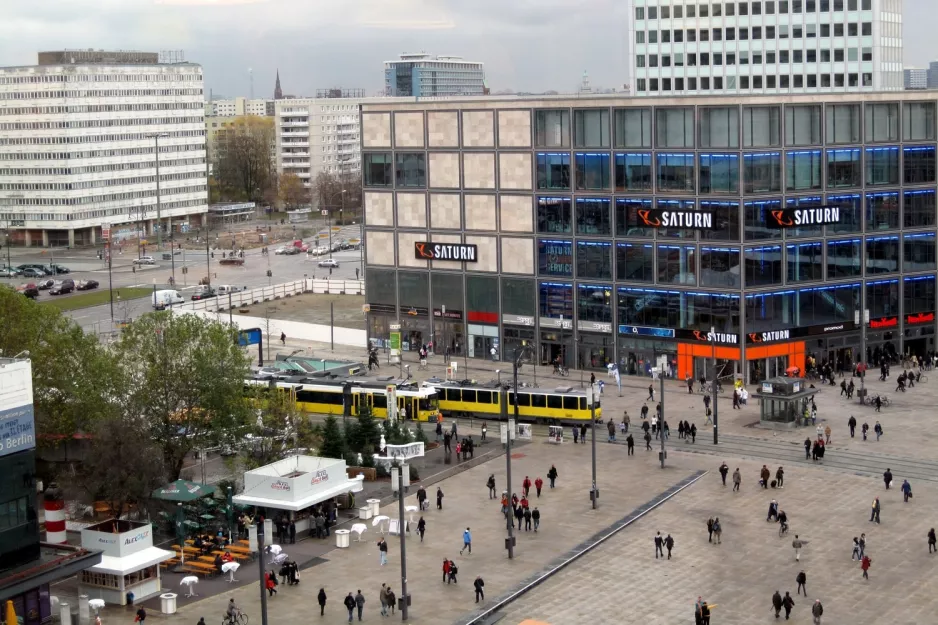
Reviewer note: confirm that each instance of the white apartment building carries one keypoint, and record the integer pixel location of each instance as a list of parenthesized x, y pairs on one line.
[(78, 144), (915, 78), (239, 106), (428, 76), (682, 47)]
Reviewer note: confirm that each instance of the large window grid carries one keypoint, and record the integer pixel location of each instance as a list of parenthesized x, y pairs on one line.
[(720, 267), (635, 262), (555, 257), (594, 216), (844, 168), (919, 252), (677, 264), (675, 127), (802, 125), (882, 298), (633, 128), (555, 300), (843, 123), (761, 127), (844, 258), (676, 205), (882, 255), (675, 172), (805, 262), (803, 170), (757, 219), (918, 164), (593, 260), (918, 295), (719, 174), (725, 221), (882, 166), (803, 307), (554, 215), (851, 213), (378, 169), (882, 211), (552, 128), (918, 121), (719, 127), (798, 232), (627, 219), (919, 208), (592, 171), (882, 122), (412, 170), (762, 172), (633, 172), (591, 128), (594, 303), (763, 265), (553, 170)]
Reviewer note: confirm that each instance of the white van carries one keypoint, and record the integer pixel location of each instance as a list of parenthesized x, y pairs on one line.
[(225, 289), (162, 299)]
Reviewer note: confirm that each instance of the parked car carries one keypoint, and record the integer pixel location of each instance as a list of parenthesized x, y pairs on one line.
[(167, 297), (225, 289), (329, 262), (204, 292), (32, 272), (45, 285), (231, 260), (9, 272), (59, 269), (280, 251), (144, 260), (86, 285), (29, 290), (62, 287), (42, 269)]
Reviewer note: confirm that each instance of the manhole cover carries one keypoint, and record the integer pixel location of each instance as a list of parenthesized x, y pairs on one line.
[(517, 456)]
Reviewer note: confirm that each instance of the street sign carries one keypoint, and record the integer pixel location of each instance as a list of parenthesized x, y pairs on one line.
[(106, 232), (325, 213), (395, 342), (395, 327)]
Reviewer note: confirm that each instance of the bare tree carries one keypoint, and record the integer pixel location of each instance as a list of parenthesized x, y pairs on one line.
[(333, 193), (245, 167), (292, 193)]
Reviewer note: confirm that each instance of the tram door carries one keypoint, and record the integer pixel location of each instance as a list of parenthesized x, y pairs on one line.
[(409, 404)]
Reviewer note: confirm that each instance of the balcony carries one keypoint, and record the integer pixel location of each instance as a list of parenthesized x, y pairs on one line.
[(295, 123), (294, 133)]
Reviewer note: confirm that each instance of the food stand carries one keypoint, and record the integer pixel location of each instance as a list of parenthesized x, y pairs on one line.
[(129, 564), (782, 401)]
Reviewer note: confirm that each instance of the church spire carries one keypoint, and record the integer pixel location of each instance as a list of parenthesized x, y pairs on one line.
[(278, 92)]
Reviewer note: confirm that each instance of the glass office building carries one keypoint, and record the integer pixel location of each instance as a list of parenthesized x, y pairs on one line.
[(655, 231)]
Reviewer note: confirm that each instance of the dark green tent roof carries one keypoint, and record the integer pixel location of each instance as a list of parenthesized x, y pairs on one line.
[(182, 490)]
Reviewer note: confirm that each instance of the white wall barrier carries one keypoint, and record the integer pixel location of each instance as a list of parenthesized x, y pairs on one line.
[(276, 291), (295, 330)]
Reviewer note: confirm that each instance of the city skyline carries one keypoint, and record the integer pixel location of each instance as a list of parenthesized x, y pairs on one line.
[(517, 43)]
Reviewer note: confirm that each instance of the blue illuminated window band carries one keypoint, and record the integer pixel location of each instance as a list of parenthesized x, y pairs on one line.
[(724, 204), (567, 154), (637, 200), (720, 156), (920, 236), (919, 278), (765, 203), (770, 248), (791, 201), (878, 282), (799, 152), (928, 191), (834, 198), (676, 155), (553, 199), (855, 151), (606, 154), (855, 285), (720, 249), (844, 242), (596, 287), (625, 289), (560, 242), (634, 245), (696, 294), (895, 238), (593, 200), (761, 154), (662, 201), (674, 247), (593, 244), (883, 194), (793, 245), (920, 149), (889, 149)]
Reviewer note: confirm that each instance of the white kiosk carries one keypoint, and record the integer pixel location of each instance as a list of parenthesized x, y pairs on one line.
[(129, 564), (296, 483)]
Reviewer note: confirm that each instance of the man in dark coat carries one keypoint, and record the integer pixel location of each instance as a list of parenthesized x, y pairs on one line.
[(777, 603)]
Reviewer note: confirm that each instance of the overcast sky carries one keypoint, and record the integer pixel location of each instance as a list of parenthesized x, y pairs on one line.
[(526, 45)]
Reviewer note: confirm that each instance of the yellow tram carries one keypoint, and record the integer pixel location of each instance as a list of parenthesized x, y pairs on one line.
[(326, 396), (558, 405)]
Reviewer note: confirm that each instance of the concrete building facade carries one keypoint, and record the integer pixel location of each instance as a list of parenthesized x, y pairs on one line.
[(238, 107), (424, 75), (915, 78), (623, 230)]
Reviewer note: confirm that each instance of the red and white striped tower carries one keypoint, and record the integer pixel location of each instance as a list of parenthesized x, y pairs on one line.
[(54, 506)]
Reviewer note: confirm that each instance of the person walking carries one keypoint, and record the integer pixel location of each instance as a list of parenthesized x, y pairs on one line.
[(321, 598), (737, 479), (271, 584), (576, 434), (780, 477), (292, 532), (693, 433), (669, 544), (360, 603), (453, 571), (479, 584), (445, 569), (527, 519), (807, 448), (710, 530), (421, 528), (536, 517), (382, 551), (802, 580), (466, 542), (552, 475), (827, 434), (874, 510), (856, 549), (651, 392), (865, 564), (797, 545), (659, 545), (906, 491), (647, 441), (630, 445), (718, 530), (887, 478), (526, 485), (862, 545), (932, 541), (491, 486), (383, 598), (788, 603), (538, 485), (392, 600), (817, 610), (349, 605), (878, 429), (852, 424), (764, 476), (724, 470), (777, 603), (439, 498), (611, 428)]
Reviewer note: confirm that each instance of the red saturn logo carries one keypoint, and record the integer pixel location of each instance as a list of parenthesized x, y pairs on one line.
[(781, 219), (423, 252), (755, 337), (645, 216)]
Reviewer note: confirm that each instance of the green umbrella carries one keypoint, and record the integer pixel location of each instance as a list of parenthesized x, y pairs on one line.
[(229, 511), (182, 490)]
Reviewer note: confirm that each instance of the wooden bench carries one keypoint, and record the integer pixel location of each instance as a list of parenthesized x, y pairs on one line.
[(237, 555), (207, 569)]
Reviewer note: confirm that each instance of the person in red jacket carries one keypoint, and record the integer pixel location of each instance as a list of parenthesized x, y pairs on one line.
[(445, 568), (865, 566), (526, 485), (538, 484)]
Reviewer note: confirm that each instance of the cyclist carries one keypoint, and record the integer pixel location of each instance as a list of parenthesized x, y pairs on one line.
[(232, 612)]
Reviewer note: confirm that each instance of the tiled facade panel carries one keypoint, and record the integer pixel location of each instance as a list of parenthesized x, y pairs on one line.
[(379, 208), (376, 130), (443, 129), (514, 171), (488, 253), (405, 247), (444, 170), (408, 130), (517, 255), (480, 212), (380, 247), (516, 213), (411, 210), (479, 170), (478, 129), (514, 129), (446, 238), (444, 210)]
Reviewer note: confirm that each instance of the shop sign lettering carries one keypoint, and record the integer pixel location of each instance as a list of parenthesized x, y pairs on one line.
[(794, 217)]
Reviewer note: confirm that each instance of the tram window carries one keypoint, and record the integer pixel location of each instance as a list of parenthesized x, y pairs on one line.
[(554, 401), (469, 396), (524, 399), (582, 403), (570, 403), (539, 401), (380, 401), (485, 397), (304, 397)]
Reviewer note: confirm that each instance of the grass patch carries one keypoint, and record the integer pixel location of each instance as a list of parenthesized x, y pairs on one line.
[(96, 298)]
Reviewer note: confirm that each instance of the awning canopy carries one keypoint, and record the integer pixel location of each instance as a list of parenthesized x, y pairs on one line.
[(182, 490), (318, 496), (133, 562)]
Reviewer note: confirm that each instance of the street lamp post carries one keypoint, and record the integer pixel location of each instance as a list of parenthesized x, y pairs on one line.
[(660, 372), (716, 378), (591, 396), (159, 223), (263, 573), (516, 364), (400, 528)]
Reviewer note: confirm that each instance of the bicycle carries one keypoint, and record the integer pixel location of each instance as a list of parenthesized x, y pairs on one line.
[(561, 370), (240, 619)]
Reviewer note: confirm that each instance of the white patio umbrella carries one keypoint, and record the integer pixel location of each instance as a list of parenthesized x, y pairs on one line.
[(411, 510), (280, 558), (230, 568), (379, 521), (189, 581), (359, 528), (274, 549), (96, 604)]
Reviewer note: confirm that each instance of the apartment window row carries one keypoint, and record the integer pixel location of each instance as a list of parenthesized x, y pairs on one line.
[(97, 184), (97, 93), (758, 7), (100, 108), (133, 136), (121, 211), (115, 77), (771, 81), (675, 127), (100, 123), (77, 201), (95, 169), (745, 57), (756, 33)]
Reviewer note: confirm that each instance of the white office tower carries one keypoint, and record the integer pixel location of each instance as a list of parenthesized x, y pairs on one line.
[(686, 47)]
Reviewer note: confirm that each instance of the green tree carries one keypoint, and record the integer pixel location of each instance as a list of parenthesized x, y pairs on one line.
[(281, 427), (368, 430), (184, 381), (420, 436), (73, 375), (244, 167), (333, 443), (291, 192)]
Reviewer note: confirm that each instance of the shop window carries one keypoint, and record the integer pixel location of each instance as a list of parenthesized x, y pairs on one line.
[(676, 205), (719, 173), (635, 262), (918, 295), (377, 169), (592, 171), (762, 172), (482, 296), (843, 123), (826, 304), (882, 211), (627, 220), (918, 121), (412, 170), (882, 121), (851, 213), (381, 287), (803, 170), (761, 126), (648, 307), (918, 164), (719, 267), (882, 298), (593, 260), (413, 289), (593, 216), (553, 171), (677, 264), (919, 252), (633, 172), (555, 257), (725, 221), (843, 168), (591, 128), (675, 127), (805, 262), (757, 219), (556, 300), (763, 265), (518, 297), (675, 173), (552, 128), (719, 127), (594, 303), (802, 125), (919, 208), (844, 258), (882, 166), (554, 215), (882, 255), (633, 128), (799, 232), (447, 290)]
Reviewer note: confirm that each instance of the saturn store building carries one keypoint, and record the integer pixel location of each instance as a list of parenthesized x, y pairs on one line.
[(654, 231)]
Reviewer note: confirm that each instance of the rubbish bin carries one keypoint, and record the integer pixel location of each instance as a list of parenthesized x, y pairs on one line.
[(375, 506), (342, 539), (168, 603), (365, 513)]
